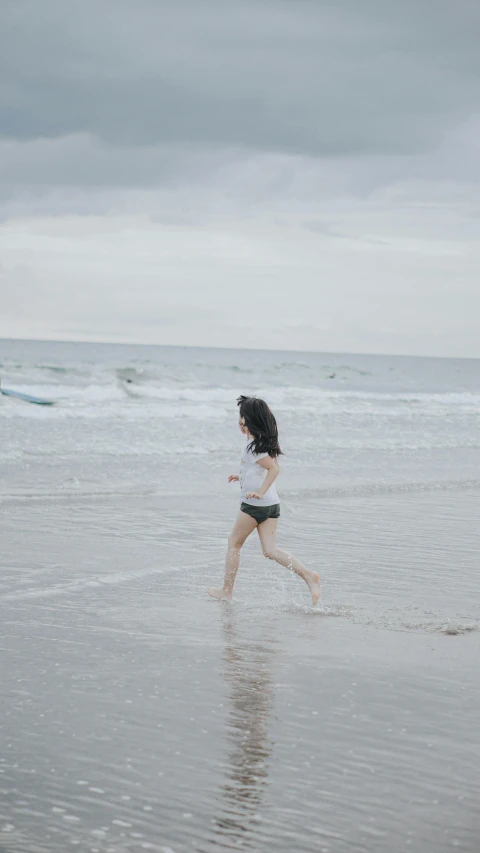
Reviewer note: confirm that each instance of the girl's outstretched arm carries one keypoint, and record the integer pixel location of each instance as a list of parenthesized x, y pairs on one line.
[(273, 469)]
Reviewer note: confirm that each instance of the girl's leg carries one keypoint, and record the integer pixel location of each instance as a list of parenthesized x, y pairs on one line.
[(241, 530), (267, 532)]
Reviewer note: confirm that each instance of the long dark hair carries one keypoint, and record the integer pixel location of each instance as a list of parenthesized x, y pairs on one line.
[(261, 424)]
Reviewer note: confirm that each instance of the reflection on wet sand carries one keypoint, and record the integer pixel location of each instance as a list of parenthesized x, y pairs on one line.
[(248, 674)]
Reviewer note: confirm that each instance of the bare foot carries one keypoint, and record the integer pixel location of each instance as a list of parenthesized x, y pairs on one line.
[(314, 586), (223, 594)]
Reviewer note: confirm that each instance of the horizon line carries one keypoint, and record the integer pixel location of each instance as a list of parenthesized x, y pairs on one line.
[(235, 349)]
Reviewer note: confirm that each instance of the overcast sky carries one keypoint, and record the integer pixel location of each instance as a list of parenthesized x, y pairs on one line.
[(297, 174)]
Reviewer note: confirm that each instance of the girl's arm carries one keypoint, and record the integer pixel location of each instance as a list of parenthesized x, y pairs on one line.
[(273, 469)]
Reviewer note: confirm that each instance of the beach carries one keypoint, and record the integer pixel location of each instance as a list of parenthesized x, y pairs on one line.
[(138, 713)]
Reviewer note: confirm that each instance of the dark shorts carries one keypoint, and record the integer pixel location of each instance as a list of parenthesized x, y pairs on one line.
[(261, 513)]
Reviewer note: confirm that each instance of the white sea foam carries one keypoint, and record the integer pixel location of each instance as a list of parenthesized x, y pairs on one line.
[(285, 399), (70, 587), (11, 455)]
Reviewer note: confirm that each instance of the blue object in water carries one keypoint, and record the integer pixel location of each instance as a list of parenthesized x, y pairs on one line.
[(26, 397)]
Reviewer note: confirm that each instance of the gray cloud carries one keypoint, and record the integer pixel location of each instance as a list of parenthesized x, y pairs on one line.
[(320, 78), (81, 173), (162, 163)]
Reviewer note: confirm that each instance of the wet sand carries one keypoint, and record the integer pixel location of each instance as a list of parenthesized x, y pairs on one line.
[(139, 714)]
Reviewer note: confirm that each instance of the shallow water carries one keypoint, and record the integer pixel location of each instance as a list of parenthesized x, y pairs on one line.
[(138, 714)]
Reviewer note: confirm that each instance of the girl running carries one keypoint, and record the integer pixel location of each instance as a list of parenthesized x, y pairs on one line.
[(260, 507)]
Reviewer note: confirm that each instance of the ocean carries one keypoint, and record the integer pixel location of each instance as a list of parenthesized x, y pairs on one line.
[(138, 713)]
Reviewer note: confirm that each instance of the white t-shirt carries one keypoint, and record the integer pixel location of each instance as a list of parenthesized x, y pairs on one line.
[(252, 477)]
